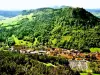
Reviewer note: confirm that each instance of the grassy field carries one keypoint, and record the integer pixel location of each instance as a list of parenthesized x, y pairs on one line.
[(87, 74), (49, 64), (95, 49), (83, 73), (21, 42)]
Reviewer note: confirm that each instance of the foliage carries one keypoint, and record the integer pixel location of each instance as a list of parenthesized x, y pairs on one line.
[(64, 27), (19, 64), (95, 49), (95, 66)]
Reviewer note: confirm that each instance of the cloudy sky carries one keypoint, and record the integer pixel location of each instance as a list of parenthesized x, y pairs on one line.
[(32, 4)]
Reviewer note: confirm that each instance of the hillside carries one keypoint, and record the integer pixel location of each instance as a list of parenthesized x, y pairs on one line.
[(19, 64), (64, 27)]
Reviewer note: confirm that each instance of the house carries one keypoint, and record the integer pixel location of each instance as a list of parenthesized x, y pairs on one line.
[(38, 52), (34, 52), (12, 48), (78, 58), (98, 56), (81, 55), (23, 51), (68, 51), (41, 52), (48, 52), (68, 56), (28, 51)]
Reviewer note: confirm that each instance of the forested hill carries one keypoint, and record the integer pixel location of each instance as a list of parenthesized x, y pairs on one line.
[(65, 27)]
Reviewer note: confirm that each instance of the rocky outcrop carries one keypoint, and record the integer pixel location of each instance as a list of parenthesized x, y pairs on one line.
[(78, 64)]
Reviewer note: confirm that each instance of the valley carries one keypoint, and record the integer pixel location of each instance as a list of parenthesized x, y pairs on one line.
[(50, 41)]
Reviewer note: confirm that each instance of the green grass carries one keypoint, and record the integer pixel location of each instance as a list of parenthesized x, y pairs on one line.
[(54, 41), (96, 74), (95, 49), (49, 64), (36, 42), (30, 17), (14, 21), (87, 74), (21, 42), (66, 38), (83, 74)]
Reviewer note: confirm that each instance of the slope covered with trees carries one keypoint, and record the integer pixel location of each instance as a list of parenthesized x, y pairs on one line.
[(65, 27), (19, 64)]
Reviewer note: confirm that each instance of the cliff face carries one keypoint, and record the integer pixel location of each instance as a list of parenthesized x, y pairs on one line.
[(78, 64)]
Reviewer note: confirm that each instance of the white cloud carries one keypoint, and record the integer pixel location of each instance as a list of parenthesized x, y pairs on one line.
[(31, 4)]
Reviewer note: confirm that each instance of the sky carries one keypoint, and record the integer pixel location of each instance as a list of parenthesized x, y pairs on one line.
[(33, 4)]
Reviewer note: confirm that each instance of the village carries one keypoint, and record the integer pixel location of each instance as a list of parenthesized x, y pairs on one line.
[(71, 54)]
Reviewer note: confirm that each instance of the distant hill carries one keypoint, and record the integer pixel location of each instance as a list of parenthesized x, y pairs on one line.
[(71, 28), (9, 13), (3, 18), (95, 12)]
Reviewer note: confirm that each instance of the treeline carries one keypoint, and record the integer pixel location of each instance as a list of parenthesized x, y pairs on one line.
[(50, 59), (19, 64)]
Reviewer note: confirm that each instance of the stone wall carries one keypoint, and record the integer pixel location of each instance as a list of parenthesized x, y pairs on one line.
[(78, 64)]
